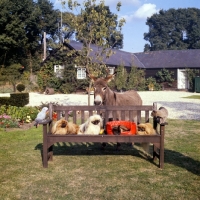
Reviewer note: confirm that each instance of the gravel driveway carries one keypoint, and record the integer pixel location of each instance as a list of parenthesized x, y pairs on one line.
[(178, 107)]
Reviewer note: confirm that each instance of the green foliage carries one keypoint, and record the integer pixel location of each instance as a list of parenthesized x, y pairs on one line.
[(136, 79), (7, 122), (12, 74), (54, 82), (115, 38), (191, 74), (121, 78), (70, 82), (5, 101), (93, 26), (173, 29), (165, 75), (19, 99), (19, 113), (15, 99), (45, 75), (22, 28), (151, 84), (20, 87)]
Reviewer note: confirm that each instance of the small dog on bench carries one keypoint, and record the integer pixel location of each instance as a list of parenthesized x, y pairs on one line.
[(145, 129), (92, 126), (64, 127)]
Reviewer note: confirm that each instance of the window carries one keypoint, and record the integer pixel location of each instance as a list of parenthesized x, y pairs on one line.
[(58, 69), (111, 70), (81, 73)]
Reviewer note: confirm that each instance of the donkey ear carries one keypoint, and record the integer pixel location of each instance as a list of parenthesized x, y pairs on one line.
[(109, 77), (93, 78)]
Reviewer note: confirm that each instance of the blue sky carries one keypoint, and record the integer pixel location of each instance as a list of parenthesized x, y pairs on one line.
[(136, 12)]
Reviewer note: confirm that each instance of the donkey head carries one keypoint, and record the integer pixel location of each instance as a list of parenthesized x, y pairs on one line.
[(100, 88)]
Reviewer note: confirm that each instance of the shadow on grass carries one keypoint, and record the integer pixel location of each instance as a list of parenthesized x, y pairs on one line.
[(81, 149)]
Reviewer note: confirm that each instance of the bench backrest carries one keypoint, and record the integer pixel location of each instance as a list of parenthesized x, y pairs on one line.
[(79, 114)]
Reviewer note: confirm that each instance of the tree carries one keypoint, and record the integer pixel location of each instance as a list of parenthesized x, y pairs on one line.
[(13, 74), (136, 79), (93, 28), (173, 29), (121, 78), (67, 30), (115, 38), (22, 26), (12, 30)]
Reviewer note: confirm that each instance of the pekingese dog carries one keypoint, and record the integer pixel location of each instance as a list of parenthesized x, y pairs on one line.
[(64, 127), (145, 129), (92, 126)]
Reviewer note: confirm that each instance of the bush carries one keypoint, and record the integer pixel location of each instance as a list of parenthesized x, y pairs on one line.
[(19, 99), (152, 85), (15, 99), (20, 87), (165, 75)]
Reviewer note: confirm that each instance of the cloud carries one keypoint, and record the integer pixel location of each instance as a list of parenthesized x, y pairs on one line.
[(146, 10), (124, 2)]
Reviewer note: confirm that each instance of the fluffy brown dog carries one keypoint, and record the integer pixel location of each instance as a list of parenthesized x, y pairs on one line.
[(64, 127), (145, 129)]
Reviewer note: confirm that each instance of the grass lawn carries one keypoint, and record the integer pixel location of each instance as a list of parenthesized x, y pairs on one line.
[(83, 171), (193, 97)]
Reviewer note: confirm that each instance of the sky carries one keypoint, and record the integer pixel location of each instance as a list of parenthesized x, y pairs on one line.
[(136, 12)]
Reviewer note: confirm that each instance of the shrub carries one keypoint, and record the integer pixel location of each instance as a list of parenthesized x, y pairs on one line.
[(19, 99), (165, 75), (152, 85), (20, 87)]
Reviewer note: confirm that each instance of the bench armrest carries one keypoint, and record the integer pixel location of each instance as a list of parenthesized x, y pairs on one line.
[(45, 121)]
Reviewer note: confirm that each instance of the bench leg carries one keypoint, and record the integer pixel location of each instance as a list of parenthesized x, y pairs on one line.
[(162, 132), (45, 148), (45, 156)]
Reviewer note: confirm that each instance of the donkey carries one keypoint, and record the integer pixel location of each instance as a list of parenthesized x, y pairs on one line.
[(103, 95)]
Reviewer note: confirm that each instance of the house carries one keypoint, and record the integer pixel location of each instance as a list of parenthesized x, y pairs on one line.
[(176, 61), (127, 59)]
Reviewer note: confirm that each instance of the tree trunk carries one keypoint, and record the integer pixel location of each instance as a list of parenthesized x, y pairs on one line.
[(89, 88)]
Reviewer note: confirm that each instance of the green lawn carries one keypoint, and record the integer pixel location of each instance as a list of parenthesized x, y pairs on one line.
[(83, 171), (193, 97)]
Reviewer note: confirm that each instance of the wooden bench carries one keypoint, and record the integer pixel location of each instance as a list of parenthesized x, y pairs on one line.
[(79, 115)]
